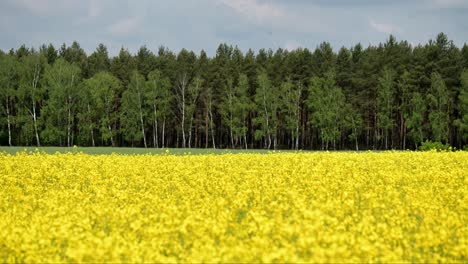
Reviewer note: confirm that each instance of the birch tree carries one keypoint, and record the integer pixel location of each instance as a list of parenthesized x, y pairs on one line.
[(62, 81), (134, 106), (266, 99), (385, 102), (103, 90), (207, 97), (159, 95), (291, 99), (242, 106), (462, 122), (228, 110), (439, 108), (8, 83), (193, 94), (415, 119), (326, 102), (30, 92), (181, 96)]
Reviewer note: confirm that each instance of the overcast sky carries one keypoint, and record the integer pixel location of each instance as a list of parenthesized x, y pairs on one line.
[(203, 24)]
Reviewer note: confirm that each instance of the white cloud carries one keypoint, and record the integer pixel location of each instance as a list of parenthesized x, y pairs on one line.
[(254, 9), (449, 3), (383, 27), (125, 26), (48, 7), (292, 45), (278, 16), (94, 8)]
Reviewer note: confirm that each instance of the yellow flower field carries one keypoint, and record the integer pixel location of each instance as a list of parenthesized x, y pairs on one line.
[(283, 207)]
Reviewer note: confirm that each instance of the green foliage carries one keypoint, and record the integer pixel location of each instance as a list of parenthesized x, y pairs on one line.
[(267, 106), (235, 108), (438, 146), (160, 98), (415, 118), (386, 96), (438, 99), (291, 101), (133, 109), (326, 102), (385, 105), (462, 122), (62, 81), (99, 100)]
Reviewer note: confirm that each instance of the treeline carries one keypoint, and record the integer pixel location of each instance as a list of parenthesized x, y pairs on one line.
[(389, 96)]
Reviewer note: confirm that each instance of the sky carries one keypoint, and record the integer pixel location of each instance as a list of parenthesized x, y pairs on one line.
[(204, 24)]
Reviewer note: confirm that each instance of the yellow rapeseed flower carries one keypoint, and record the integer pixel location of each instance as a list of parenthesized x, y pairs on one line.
[(279, 207)]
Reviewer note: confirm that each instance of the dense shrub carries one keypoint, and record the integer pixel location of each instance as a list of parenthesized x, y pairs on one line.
[(430, 145)]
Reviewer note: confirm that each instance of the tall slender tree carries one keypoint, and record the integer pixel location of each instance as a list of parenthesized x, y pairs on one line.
[(159, 96), (385, 94), (291, 101), (100, 108), (439, 108), (415, 119), (266, 99), (326, 101), (62, 80), (462, 122), (31, 92), (8, 86)]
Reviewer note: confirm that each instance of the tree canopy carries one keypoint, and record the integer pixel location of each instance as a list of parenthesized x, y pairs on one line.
[(387, 96)]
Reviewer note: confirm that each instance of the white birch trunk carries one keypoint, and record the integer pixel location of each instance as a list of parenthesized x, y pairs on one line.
[(182, 89), (211, 124), (141, 114), (33, 99), (155, 129), (8, 121), (163, 132)]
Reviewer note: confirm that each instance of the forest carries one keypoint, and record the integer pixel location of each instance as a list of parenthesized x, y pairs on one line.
[(388, 96)]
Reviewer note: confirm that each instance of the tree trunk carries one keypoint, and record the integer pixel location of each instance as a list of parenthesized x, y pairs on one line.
[(68, 125), (92, 138), (112, 137), (163, 132), (35, 126), (232, 136), (182, 85), (155, 127), (33, 99), (207, 124), (386, 139), (274, 140), (267, 120), (8, 121), (245, 140), (212, 125), (91, 125), (190, 133), (141, 116), (143, 128), (297, 136), (356, 141)]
